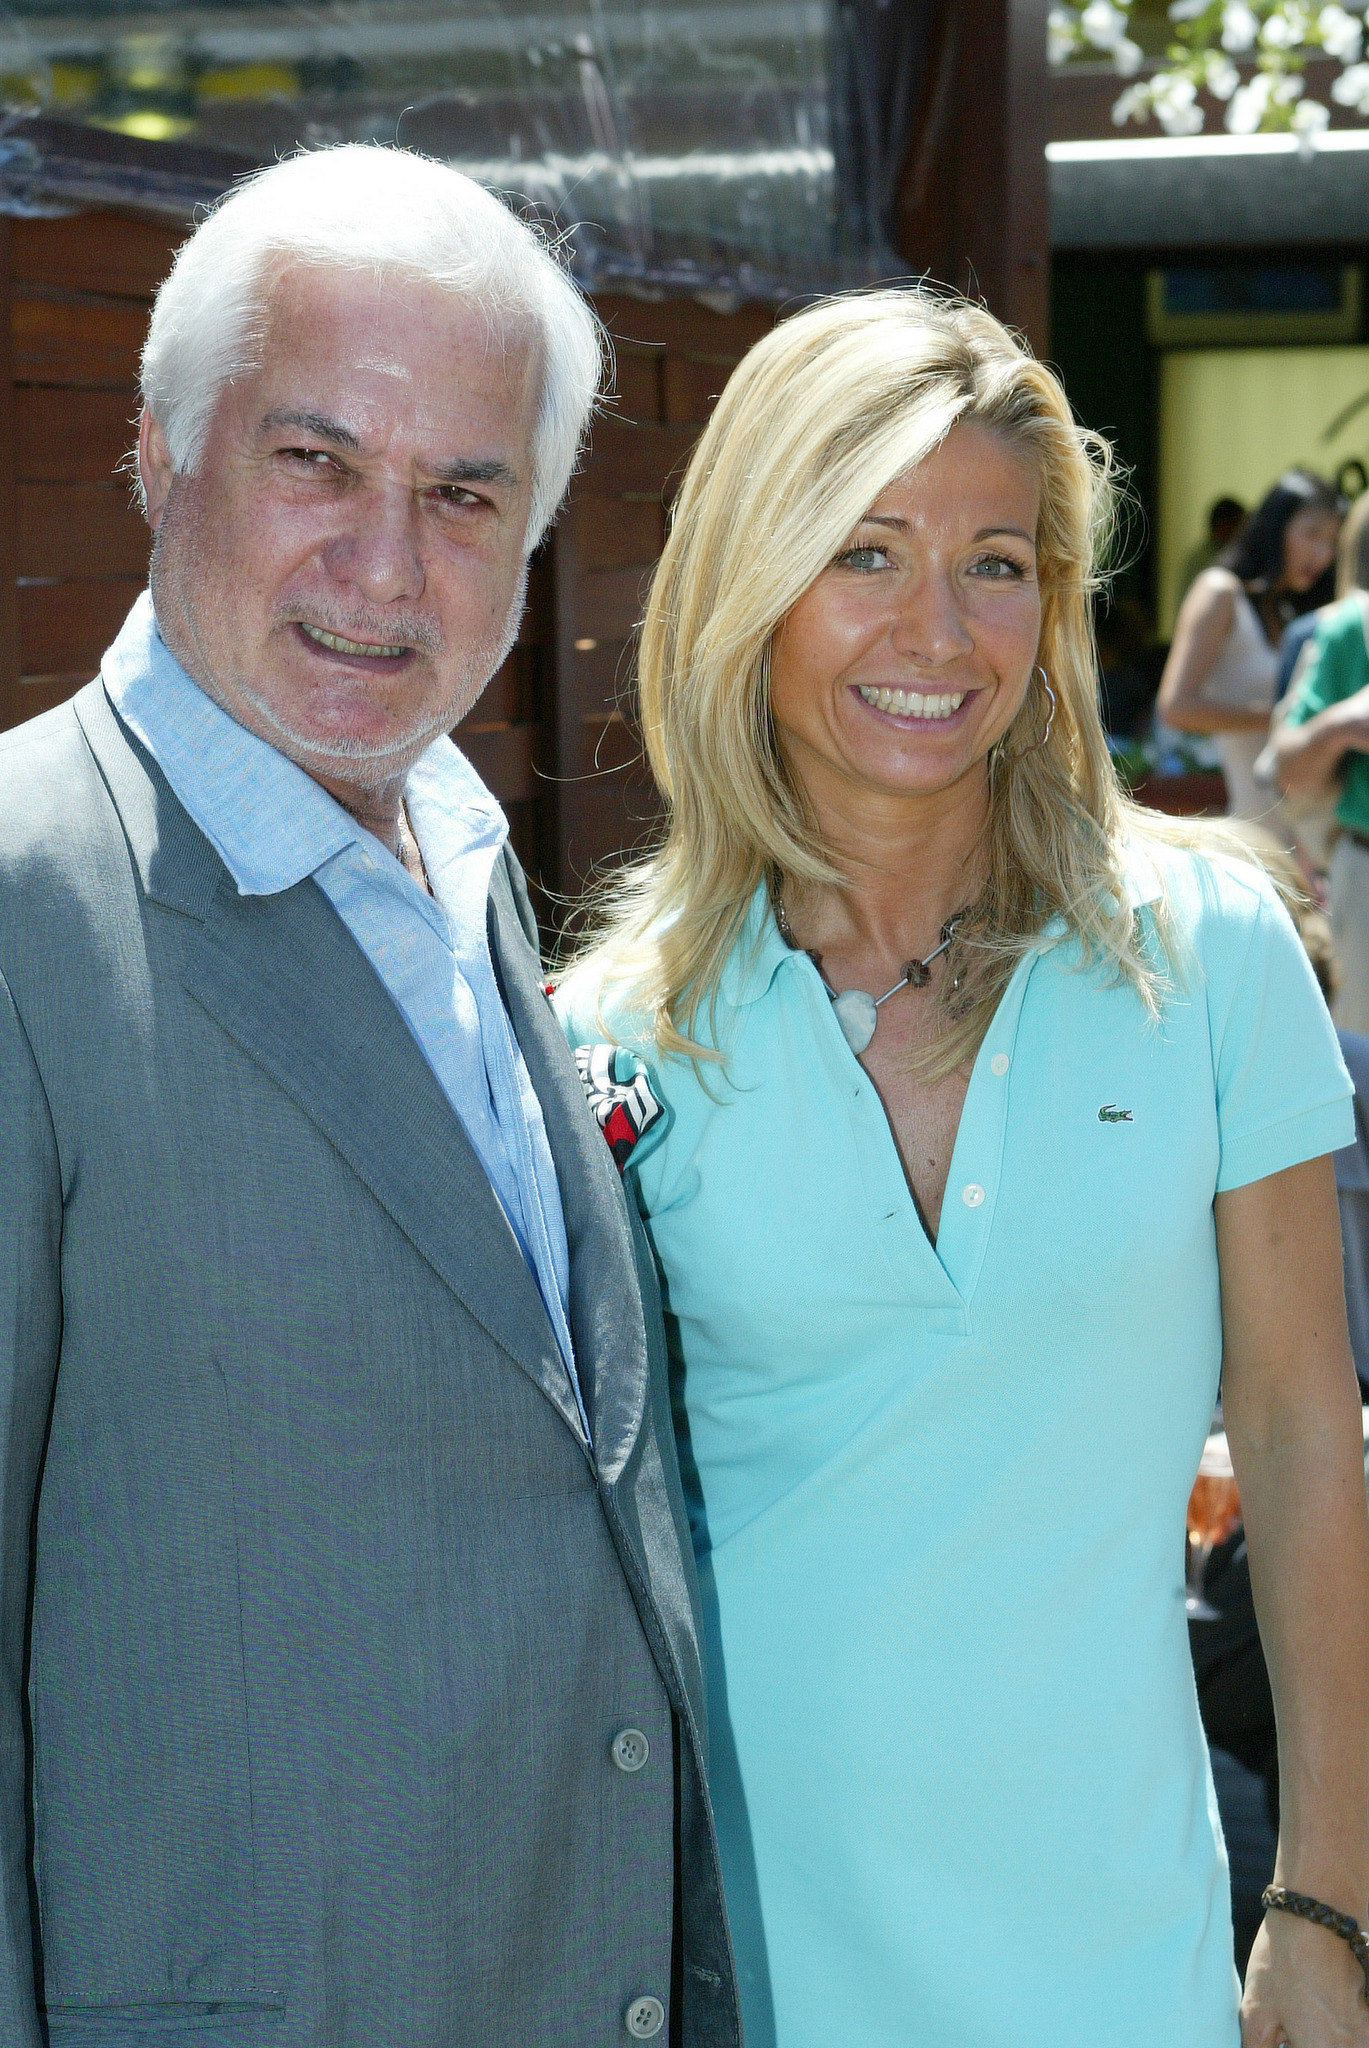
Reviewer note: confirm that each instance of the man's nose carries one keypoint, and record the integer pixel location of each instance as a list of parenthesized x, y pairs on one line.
[(930, 624), (377, 549)]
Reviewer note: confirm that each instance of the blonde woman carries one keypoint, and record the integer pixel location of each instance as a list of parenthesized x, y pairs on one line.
[(995, 1120)]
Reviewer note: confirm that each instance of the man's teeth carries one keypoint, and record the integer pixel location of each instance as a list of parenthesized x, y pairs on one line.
[(913, 704), (341, 646)]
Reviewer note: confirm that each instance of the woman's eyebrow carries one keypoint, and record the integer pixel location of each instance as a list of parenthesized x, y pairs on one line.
[(892, 519)]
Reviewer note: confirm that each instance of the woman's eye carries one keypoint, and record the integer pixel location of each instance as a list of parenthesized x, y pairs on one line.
[(998, 569), (863, 558)]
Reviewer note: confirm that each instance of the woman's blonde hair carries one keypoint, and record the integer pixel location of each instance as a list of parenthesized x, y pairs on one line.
[(819, 418)]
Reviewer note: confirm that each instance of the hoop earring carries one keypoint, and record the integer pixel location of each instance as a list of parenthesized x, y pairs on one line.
[(1036, 745)]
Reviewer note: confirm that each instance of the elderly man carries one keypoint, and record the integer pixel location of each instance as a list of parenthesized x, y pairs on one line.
[(349, 1679)]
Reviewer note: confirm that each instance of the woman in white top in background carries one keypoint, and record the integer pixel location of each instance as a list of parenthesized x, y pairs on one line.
[(1223, 664)]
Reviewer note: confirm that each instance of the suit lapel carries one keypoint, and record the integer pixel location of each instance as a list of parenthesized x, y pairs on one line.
[(284, 978), (606, 1317)]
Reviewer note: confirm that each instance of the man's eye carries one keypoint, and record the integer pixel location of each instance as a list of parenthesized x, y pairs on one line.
[(863, 558), (456, 494), (313, 458)]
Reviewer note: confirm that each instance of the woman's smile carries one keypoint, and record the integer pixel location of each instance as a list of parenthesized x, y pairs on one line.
[(908, 707)]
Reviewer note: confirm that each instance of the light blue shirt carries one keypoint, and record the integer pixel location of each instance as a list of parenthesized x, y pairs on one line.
[(272, 826), (962, 1791)]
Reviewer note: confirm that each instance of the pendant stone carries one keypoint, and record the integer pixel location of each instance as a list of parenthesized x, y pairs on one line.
[(855, 1010)]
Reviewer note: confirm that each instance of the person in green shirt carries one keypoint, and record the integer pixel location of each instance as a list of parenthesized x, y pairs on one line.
[(1324, 743)]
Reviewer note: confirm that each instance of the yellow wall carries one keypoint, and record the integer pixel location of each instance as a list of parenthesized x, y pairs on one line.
[(1231, 419)]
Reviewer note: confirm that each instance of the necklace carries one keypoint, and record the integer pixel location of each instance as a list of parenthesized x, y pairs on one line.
[(857, 1011)]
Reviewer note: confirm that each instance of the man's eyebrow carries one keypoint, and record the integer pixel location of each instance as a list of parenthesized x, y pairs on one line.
[(319, 424), (467, 470)]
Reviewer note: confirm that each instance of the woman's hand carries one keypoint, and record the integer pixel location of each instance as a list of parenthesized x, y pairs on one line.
[(1303, 1987)]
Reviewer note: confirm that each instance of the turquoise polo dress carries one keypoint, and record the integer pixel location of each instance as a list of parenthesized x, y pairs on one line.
[(961, 1784)]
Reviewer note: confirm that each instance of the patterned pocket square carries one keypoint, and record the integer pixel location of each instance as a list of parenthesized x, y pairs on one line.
[(619, 1096)]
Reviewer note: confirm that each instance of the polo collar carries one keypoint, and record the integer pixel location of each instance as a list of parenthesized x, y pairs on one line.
[(761, 950)]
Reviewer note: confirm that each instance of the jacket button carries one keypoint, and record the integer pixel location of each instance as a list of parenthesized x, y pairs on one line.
[(630, 1749), (644, 2018)]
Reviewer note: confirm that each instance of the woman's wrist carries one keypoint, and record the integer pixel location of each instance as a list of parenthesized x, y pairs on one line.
[(1340, 1881)]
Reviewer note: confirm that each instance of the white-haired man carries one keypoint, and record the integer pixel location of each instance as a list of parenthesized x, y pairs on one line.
[(349, 1669)]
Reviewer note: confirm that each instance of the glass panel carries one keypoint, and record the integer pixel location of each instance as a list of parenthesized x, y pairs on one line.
[(679, 144)]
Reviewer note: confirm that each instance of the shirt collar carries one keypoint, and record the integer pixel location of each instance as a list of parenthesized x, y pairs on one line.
[(271, 823)]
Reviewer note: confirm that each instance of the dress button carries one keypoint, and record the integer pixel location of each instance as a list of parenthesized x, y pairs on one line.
[(630, 1749), (972, 1195), (644, 2018), (999, 1063)]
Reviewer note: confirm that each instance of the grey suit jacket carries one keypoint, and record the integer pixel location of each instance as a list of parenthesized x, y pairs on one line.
[(317, 1616)]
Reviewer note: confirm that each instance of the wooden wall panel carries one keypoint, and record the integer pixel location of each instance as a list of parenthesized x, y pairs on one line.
[(79, 530), (79, 291), (71, 340), (673, 360), (71, 437), (11, 695)]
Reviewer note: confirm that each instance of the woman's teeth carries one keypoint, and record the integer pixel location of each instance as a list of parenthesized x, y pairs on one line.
[(913, 704), (341, 646)]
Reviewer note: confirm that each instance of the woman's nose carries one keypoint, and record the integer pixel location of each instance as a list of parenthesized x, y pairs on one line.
[(929, 625)]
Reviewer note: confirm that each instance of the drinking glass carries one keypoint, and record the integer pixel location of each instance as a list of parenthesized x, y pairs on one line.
[(1214, 1510)]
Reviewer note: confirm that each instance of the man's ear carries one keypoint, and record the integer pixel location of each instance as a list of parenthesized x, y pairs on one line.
[(155, 468)]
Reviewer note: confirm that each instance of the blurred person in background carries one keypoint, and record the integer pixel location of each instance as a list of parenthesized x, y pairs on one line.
[(1223, 662), (1298, 636), (1223, 524), (1321, 756)]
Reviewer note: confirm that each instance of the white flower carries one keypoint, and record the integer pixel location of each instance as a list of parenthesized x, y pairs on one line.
[(1133, 105), (1248, 105), (1309, 119), (1240, 26), (1127, 57), (1341, 34), (1062, 33), (1285, 90), (1188, 10), (1279, 33), (1222, 76), (1351, 89), (1174, 98), (1103, 24)]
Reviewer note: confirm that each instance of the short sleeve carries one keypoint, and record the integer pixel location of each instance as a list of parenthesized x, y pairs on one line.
[(1283, 1093), (1335, 667)]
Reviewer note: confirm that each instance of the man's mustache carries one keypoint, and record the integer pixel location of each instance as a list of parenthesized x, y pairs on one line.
[(390, 629)]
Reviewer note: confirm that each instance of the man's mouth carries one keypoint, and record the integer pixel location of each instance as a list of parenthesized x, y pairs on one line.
[(340, 645), (914, 703)]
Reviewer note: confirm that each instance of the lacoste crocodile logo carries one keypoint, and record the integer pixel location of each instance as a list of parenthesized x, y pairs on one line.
[(1111, 1114)]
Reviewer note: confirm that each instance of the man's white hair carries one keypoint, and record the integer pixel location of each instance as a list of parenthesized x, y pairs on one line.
[(365, 207)]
